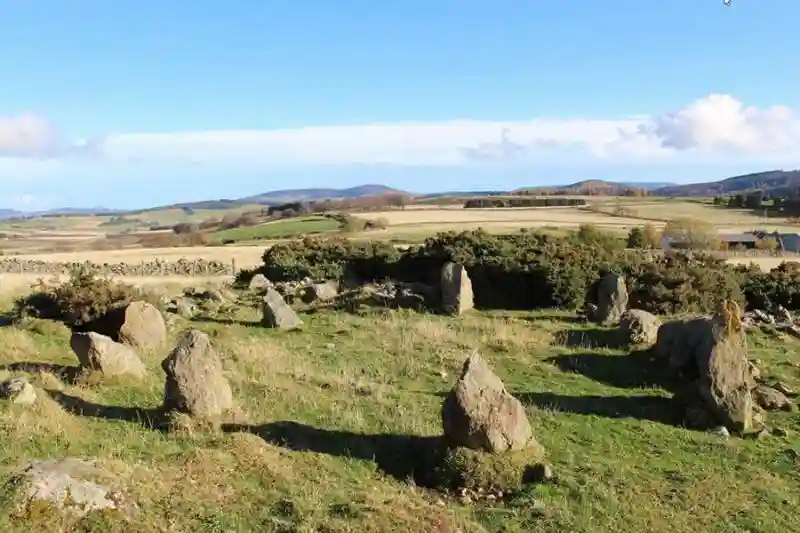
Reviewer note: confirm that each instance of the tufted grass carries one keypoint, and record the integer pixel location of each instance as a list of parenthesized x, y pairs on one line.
[(334, 415)]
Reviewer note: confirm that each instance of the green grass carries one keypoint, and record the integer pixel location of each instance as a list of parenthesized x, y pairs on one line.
[(278, 229), (362, 391)]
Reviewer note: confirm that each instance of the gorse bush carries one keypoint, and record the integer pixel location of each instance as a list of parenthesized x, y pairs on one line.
[(84, 298), (519, 271)]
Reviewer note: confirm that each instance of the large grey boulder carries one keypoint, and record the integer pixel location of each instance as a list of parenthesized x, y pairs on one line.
[(457, 295), (70, 485), (639, 327), (138, 324), (276, 313), (195, 382), (612, 299), (98, 352), (480, 414), (711, 352)]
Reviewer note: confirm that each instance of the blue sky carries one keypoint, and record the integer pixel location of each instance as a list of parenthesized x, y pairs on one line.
[(131, 104)]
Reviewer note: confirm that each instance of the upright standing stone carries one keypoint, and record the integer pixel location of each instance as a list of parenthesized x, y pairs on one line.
[(480, 414), (277, 313), (612, 299), (195, 383), (457, 294)]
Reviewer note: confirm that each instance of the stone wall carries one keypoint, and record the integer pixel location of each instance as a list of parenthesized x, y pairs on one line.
[(181, 267)]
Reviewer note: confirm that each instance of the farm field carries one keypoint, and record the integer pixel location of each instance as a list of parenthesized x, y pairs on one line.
[(409, 225), (279, 228)]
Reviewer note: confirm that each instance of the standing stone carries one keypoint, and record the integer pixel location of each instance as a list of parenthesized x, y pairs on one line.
[(725, 378), (101, 353), (480, 414), (17, 390), (639, 327), (138, 324), (457, 294), (711, 352), (612, 299), (276, 312), (195, 382)]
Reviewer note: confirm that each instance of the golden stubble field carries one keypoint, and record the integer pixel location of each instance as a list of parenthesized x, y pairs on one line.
[(415, 223)]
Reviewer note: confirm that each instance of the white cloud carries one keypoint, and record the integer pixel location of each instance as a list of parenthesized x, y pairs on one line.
[(716, 126)]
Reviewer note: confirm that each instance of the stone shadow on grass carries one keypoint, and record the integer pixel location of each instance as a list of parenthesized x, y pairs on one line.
[(638, 369), (225, 321), (402, 457), (149, 418), (654, 408), (66, 373), (591, 338)]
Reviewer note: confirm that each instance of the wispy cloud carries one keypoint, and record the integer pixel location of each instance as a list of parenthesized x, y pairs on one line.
[(714, 126)]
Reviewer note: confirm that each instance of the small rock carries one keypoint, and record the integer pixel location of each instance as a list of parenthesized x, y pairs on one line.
[(771, 399), (764, 433), (722, 431), (639, 327), (784, 389), (17, 390), (74, 485), (781, 432), (539, 473), (330, 346), (277, 313)]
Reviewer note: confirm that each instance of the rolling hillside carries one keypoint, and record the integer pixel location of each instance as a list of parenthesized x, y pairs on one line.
[(772, 182)]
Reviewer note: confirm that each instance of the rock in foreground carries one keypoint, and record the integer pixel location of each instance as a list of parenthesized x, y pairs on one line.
[(195, 383), (480, 414), (711, 353), (71, 485)]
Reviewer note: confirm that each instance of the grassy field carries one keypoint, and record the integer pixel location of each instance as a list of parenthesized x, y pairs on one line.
[(279, 229), (334, 412)]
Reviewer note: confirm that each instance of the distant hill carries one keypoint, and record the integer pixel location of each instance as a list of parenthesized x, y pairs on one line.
[(779, 182), (9, 213), (588, 187), (296, 195), (284, 196)]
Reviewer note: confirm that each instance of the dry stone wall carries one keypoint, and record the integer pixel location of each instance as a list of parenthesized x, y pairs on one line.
[(181, 267)]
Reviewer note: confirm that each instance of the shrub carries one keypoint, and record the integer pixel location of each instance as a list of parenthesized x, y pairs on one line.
[(524, 270), (83, 298), (183, 228), (692, 233), (636, 238)]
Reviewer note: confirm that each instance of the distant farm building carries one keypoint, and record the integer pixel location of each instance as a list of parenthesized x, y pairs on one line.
[(787, 242)]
